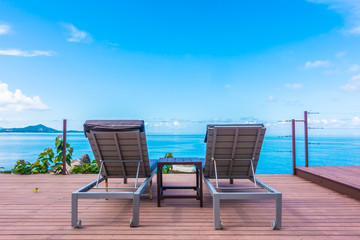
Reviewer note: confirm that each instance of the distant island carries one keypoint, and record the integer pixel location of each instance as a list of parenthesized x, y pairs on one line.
[(33, 129)]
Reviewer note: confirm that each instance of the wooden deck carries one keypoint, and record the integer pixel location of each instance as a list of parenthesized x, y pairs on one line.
[(345, 180), (309, 212)]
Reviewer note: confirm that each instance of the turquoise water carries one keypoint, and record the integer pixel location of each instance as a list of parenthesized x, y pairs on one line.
[(276, 156)]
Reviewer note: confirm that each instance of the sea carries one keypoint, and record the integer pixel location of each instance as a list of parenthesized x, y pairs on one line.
[(275, 157)]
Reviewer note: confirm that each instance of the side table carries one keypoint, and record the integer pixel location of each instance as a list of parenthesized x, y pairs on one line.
[(197, 162)]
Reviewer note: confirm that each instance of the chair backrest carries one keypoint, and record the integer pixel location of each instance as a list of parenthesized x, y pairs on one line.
[(232, 146), (120, 145)]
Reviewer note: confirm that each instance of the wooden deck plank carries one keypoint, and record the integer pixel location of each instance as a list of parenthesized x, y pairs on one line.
[(309, 212), (345, 180)]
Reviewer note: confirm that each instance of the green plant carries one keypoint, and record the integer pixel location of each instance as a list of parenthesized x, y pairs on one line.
[(166, 169), (57, 167), (41, 165), (6, 171), (22, 167), (86, 168), (35, 190)]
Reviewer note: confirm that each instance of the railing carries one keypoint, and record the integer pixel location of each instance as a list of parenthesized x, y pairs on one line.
[(306, 139), (293, 122), (64, 147)]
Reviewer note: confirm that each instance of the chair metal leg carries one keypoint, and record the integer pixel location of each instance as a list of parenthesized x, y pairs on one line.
[(134, 222), (278, 222), (75, 223), (216, 212), (150, 190), (106, 186)]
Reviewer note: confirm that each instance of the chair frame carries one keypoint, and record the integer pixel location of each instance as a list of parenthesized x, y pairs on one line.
[(268, 192), (83, 193), (135, 194)]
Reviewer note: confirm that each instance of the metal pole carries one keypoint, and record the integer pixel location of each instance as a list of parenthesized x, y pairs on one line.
[(64, 147), (293, 145), (306, 139)]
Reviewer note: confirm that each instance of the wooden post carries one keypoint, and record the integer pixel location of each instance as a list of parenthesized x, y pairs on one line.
[(293, 145), (306, 139), (64, 147)]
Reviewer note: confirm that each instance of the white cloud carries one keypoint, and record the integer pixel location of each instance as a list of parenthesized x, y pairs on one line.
[(17, 101), (158, 124), (294, 86), (351, 11), (77, 35), (271, 98), (337, 121), (21, 53), (356, 120), (354, 68), (317, 64), (163, 125), (227, 86), (341, 54), (322, 121), (352, 85), (352, 122), (330, 123), (349, 87), (4, 29), (336, 70), (111, 43), (355, 30)]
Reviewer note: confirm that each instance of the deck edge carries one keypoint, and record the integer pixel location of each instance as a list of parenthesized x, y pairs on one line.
[(336, 186)]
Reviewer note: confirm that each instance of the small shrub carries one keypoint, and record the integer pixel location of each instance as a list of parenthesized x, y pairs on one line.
[(5, 171), (86, 168), (57, 167), (22, 167), (41, 165), (166, 169)]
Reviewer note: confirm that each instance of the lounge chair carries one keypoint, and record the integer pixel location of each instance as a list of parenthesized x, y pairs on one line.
[(120, 150), (232, 152)]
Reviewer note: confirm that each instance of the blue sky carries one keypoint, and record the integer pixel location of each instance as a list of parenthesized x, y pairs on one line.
[(181, 64)]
